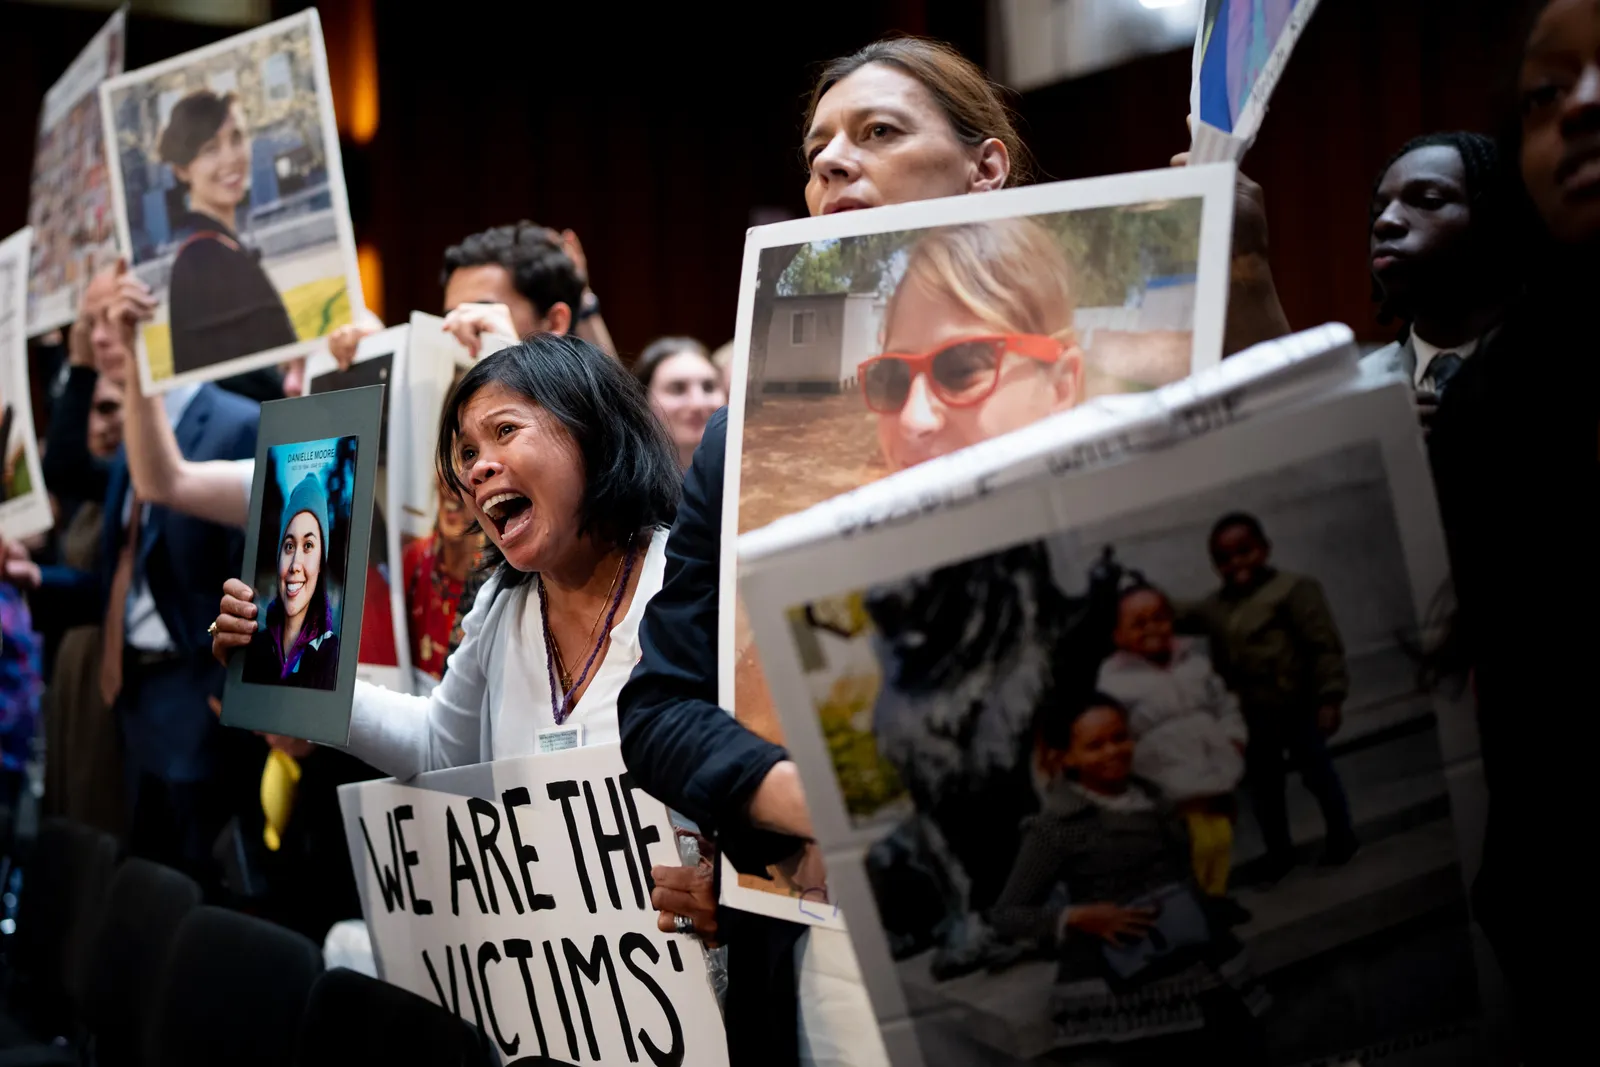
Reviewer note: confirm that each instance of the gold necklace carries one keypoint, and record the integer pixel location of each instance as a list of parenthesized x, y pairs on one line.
[(562, 672)]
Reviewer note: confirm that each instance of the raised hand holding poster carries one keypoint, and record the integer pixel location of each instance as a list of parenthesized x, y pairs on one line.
[(69, 205), (230, 202), (516, 894)]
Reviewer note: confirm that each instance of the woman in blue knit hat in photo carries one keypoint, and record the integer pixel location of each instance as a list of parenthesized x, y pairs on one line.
[(299, 645)]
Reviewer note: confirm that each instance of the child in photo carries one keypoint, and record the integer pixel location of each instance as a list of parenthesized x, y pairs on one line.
[(1275, 643), (1138, 960), (1188, 731)]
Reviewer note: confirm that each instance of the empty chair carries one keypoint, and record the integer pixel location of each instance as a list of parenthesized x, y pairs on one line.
[(356, 1019), (63, 890), (234, 991), (144, 908)]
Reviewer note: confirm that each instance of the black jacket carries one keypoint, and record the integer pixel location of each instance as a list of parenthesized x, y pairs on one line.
[(223, 304), (687, 752)]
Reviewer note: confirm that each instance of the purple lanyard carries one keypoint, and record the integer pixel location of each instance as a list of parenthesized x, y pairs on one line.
[(561, 704)]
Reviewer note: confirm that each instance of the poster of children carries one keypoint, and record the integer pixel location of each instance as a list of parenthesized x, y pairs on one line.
[(300, 564), (1154, 777), (24, 505), (230, 202), (896, 336), (69, 203)]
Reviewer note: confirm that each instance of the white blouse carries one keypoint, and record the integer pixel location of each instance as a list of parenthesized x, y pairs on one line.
[(495, 697)]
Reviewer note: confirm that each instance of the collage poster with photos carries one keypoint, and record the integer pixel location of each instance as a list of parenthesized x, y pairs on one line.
[(69, 203)]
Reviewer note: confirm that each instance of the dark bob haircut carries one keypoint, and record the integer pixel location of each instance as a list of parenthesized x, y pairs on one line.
[(195, 120), (631, 475), (662, 349)]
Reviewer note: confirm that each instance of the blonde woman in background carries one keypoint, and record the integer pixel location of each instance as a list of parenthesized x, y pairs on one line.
[(978, 341)]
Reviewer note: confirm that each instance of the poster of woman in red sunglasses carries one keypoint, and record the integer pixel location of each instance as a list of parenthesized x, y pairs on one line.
[(872, 341)]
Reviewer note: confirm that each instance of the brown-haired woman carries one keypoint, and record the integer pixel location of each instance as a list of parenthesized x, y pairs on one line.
[(901, 120)]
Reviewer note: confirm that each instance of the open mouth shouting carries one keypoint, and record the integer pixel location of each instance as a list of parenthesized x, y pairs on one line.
[(508, 512)]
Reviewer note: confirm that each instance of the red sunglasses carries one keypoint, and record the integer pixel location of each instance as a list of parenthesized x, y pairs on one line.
[(961, 373)]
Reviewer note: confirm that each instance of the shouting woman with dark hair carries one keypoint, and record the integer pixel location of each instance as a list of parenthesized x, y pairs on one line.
[(553, 448), (222, 303)]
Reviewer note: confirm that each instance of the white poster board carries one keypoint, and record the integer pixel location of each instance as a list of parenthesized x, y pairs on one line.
[(517, 895), (24, 502), (69, 206), (230, 203)]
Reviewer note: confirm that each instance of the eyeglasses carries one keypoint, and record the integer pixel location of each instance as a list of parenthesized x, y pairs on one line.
[(961, 373)]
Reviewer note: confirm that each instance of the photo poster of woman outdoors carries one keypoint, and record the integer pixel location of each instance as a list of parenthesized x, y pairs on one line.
[(871, 341), (230, 203), (307, 557), (24, 503), (69, 206), (383, 657), (1150, 763)]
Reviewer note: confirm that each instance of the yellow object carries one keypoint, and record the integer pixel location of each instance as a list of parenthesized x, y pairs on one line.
[(316, 309), (1210, 850), (279, 780)]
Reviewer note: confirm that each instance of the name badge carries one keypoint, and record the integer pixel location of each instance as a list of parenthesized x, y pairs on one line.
[(559, 738)]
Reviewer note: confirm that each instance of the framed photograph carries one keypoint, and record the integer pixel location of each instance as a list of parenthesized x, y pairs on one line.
[(24, 502), (869, 342), (229, 199), (384, 657), (1139, 756), (69, 203), (306, 556), (1240, 51)]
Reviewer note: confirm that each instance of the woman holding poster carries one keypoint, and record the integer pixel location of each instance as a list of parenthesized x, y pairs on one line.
[(558, 459), (223, 303)]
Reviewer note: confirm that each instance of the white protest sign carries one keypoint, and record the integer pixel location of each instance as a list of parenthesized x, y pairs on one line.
[(517, 895)]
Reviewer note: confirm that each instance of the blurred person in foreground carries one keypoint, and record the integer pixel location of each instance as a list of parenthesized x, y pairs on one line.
[(1516, 450)]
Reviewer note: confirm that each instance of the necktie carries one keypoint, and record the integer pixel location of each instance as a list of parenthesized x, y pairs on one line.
[(113, 632), (1441, 369)]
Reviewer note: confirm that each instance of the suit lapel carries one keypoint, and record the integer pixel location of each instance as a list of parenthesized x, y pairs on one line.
[(190, 430)]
